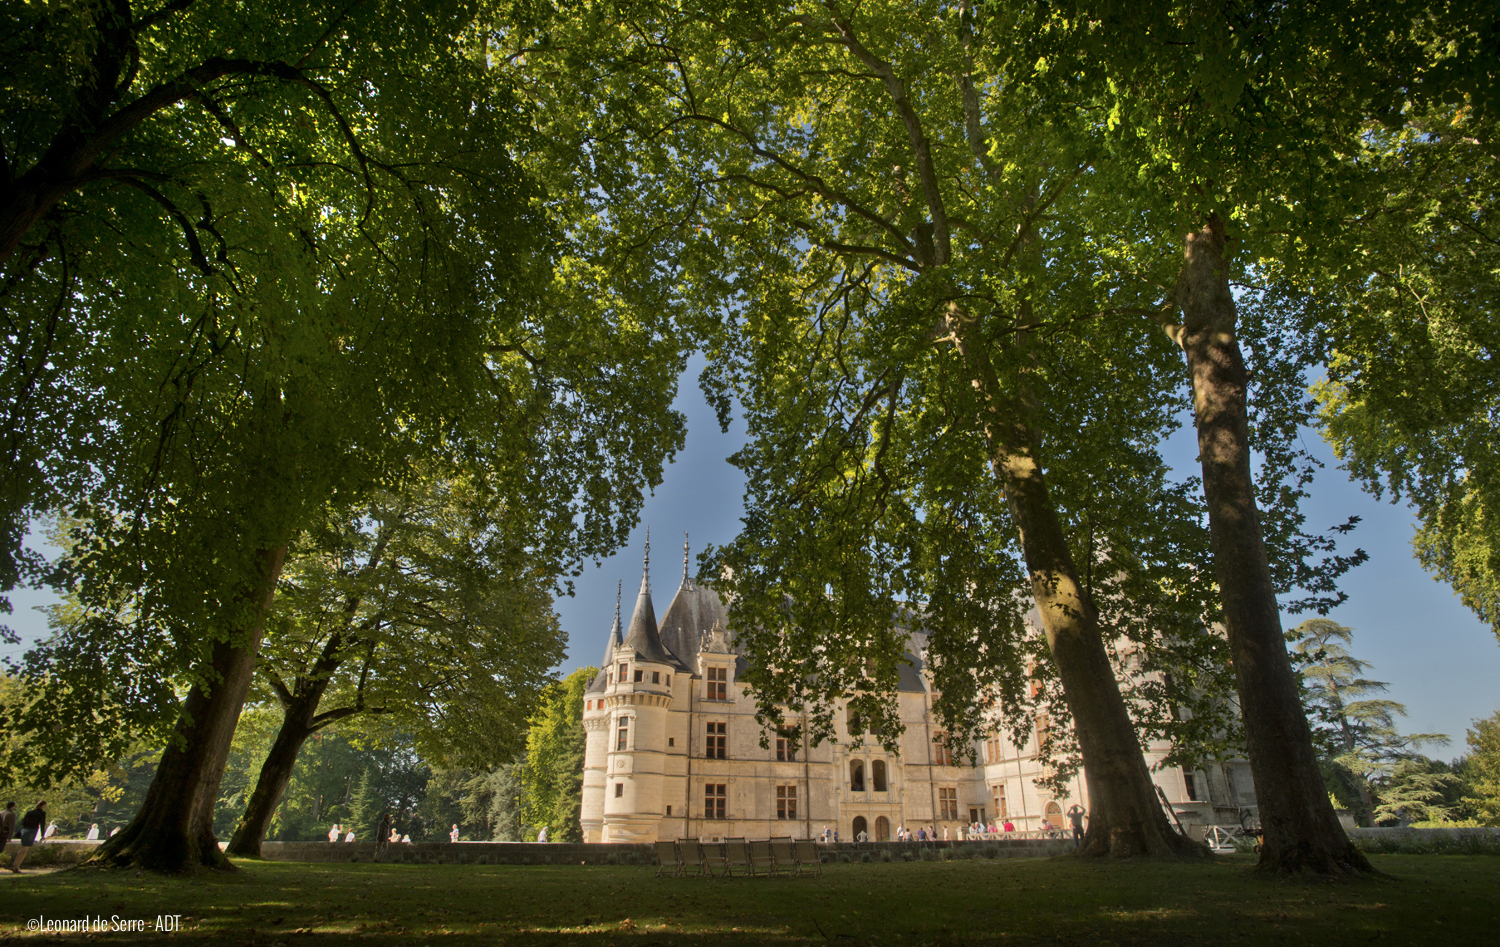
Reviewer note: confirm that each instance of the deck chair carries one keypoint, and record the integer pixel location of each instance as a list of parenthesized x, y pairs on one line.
[(808, 861), (694, 857), (737, 855), (666, 858), (714, 856), (783, 850), (761, 861)]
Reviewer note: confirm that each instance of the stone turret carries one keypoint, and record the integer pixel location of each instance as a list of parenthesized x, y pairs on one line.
[(596, 720), (637, 700)]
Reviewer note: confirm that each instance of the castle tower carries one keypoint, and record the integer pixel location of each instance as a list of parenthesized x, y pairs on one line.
[(637, 700), (596, 741)]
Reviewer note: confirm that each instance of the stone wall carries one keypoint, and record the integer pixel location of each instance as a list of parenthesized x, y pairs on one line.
[(458, 853)]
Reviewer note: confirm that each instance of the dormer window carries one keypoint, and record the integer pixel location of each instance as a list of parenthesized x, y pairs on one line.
[(718, 683)]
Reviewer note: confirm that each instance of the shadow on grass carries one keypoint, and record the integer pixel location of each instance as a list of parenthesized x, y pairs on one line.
[(1031, 901)]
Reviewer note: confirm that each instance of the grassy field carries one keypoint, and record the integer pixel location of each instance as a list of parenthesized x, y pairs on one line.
[(1430, 899)]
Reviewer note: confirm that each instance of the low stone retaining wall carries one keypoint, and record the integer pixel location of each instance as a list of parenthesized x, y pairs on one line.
[(72, 851), (459, 853)]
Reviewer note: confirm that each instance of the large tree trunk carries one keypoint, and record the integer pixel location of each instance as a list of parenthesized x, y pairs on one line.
[(1302, 833), (1126, 819), (174, 829), (275, 773)]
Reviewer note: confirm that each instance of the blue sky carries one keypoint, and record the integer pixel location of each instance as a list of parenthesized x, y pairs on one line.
[(1440, 660)]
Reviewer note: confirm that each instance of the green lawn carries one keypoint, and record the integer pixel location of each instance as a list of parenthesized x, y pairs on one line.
[(1428, 899)]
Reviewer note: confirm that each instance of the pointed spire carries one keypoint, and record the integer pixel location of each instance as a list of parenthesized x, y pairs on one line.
[(685, 582), (616, 634), (642, 635)]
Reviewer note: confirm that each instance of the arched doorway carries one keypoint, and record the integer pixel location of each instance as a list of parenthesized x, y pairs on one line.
[(877, 776), (860, 826), (856, 776), (1054, 815), (882, 829)]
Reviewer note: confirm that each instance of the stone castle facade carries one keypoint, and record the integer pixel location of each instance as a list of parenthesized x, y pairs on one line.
[(673, 751)]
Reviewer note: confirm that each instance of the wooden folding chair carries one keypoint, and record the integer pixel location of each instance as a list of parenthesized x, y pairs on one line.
[(761, 860), (694, 857), (808, 861), (783, 850), (737, 855), (666, 857)]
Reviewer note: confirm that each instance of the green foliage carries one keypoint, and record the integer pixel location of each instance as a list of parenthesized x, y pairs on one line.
[(1481, 769), (1357, 734), (553, 774), (364, 281)]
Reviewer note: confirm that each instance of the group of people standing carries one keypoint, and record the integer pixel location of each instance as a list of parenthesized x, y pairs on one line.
[(385, 834), (973, 831)]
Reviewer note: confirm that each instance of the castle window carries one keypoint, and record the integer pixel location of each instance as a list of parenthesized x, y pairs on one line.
[(948, 803), (1189, 784), (639, 675), (942, 754), (718, 683), (619, 790), (714, 798), (671, 741), (998, 792), (669, 810), (852, 720), (786, 802), (622, 740), (1043, 734), (717, 747), (669, 680), (877, 775), (992, 748), (786, 750), (624, 673), (656, 677), (856, 776)]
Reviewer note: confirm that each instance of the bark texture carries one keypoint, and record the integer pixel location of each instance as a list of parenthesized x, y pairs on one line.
[(1302, 833), (300, 718), (174, 829), (275, 774), (1126, 819)]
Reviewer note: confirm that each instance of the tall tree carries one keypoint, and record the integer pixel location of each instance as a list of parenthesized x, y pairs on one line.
[(424, 608), (1357, 729), (553, 772), (898, 333), (364, 277)]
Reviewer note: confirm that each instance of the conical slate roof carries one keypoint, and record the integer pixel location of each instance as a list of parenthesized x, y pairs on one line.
[(642, 635), (601, 680)]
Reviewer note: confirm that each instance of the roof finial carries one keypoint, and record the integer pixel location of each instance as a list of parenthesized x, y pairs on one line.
[(619, 588), (684, 558), (646, 569)]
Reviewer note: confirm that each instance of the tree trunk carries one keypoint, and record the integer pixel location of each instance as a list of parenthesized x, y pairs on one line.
[(1126, 818), (275, 773), (1302, 833), (174, 829)]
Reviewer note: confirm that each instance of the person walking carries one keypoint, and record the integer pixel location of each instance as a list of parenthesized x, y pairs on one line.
[(8, 824), (453, 833), (335, 832), (542, 835), (31, 827), (349, 836), (1076, 814), (383, 834), (93, 835)]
